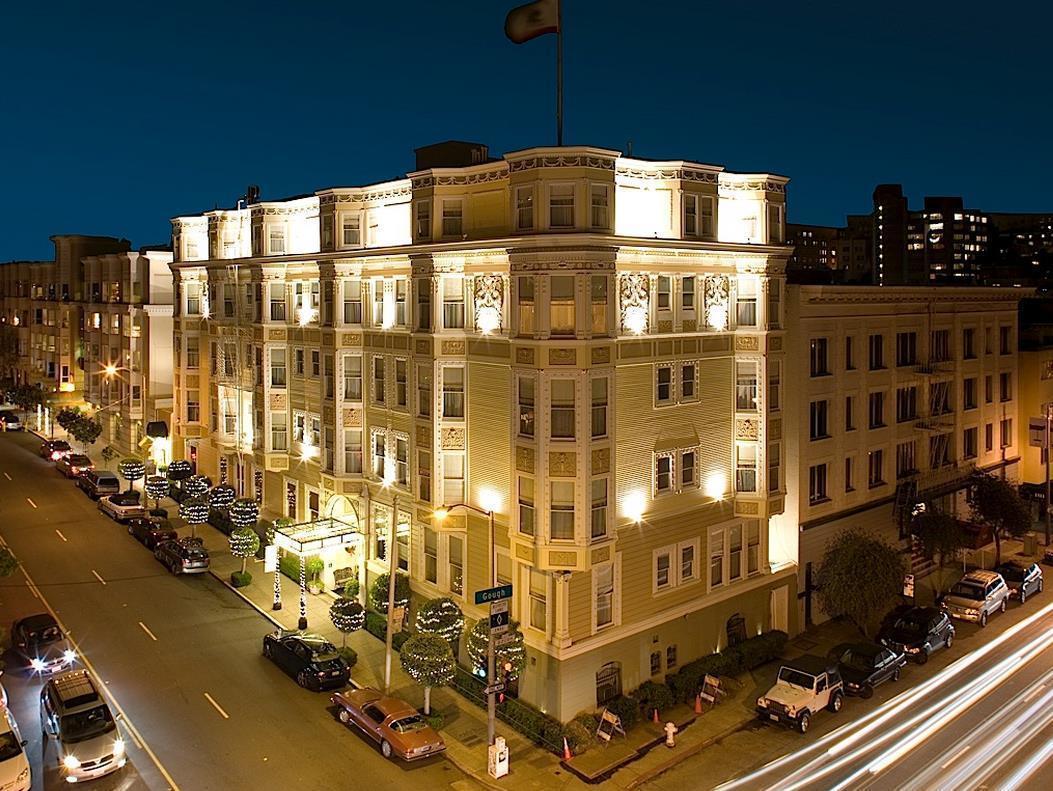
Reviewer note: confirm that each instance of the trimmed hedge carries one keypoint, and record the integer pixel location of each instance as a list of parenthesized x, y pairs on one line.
[(540, 728), (627, 709), (751, 653), (651, 695), (377, 625), (239, 579)]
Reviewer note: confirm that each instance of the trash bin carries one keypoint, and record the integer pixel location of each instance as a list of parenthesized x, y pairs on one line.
[(1030, 544)]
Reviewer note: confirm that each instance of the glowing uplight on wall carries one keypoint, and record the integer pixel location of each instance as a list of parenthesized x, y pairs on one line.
[(716, 485), (306, 311), (488, 319), (634, 506), (717, 317), (636, 319), (307, 450), (66, 387), (109, 369), (489, 499)]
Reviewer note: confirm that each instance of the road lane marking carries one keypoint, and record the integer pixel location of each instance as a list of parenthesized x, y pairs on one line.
[(218, 707), (31, 502), (83, 657), (100, 579), (1037, 689), (147, 630), (60, 535), (7, 476), (955, 757)]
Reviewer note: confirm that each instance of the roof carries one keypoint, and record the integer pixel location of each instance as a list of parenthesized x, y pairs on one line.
[(75, 688), (35, 623), (811, 664), (981, 575)]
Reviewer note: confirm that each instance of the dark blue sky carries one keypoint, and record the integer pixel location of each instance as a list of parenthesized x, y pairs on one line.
[(116, 116)]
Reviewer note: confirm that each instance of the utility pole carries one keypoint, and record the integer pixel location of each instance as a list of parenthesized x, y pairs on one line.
[(491, 663), (1046, 449)]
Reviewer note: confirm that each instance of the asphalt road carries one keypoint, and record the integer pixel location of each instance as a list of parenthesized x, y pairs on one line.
[(180, 656)]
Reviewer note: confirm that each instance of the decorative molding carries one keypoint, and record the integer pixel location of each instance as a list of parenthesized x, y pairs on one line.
[(633, 302), (562, 464), (489, 299), (452, 438), (601, 555), (776, 505), (747, 343), (666, 325), (351, 339), (276, 335), (747, 507), (774, 343), (422, 346), (560, 161), (716, 290), (499, 173), (524, 459), (562, 357), (601, 355), (525, 355), (453, 347), (689, 325), (746, 428), (755, 185), (362, 197), (668, 174), (352, 418), (562, 558), (279, 401), (524, 552), (601, 460)]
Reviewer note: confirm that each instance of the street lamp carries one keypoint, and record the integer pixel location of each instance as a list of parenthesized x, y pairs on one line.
[(491, 674)]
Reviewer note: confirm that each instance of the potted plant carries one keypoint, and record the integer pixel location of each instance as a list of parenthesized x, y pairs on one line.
[(315, 567)]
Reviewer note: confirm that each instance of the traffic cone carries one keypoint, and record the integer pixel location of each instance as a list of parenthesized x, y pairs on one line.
[(698, 704), (655, 717), (566, 750)]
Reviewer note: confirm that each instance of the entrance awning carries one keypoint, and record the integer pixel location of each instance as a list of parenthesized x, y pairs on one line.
[(309, 538)]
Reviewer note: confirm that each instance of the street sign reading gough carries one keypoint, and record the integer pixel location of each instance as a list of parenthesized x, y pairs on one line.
[(493, 594)]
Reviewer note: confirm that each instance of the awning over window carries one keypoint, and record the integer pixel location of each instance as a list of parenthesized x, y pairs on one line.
[(157, 429)]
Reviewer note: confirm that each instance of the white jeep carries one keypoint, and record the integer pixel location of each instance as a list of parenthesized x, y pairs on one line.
[(804, 686)]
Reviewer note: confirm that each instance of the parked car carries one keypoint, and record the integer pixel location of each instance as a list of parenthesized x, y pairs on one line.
[(1023, 580), (122, 507), (976, 596), (12, 422), (74, 464), (98, 483), (38, 640), (74, 714), (917, 632), (309, 658), (183, 555), (151, 531), (803, 687), (865, 665), (14, 766), (54, 449), (395, 725)]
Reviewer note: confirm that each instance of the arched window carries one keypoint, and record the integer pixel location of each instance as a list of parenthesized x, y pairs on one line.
[(608, 683), (736, 628)]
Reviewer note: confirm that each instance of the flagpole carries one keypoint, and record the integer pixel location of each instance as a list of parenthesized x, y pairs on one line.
[(559, 73)]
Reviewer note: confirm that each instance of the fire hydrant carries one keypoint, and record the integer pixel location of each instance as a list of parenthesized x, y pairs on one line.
[(670, 735)]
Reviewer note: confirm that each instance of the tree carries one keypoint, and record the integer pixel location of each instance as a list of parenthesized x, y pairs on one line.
[(156, 488), (859, 577), (347, 616), (221, 496), (378, 594), (940, 534), (179, 470), (244, 543), (194, 511), (67, 416), (26, 397), (8, 562), (997, 504), (86, 431), (428, 660), (509, 658), (196, 486), (131, 470), (244, 512), (443, 617)]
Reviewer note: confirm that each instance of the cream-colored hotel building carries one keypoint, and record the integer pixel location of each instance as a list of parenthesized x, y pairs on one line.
[(586, 344)]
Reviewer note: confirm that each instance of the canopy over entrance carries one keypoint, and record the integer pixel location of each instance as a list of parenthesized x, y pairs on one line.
[(310, 538)]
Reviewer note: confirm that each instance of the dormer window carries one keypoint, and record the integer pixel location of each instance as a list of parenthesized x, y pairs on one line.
[(561, 206)]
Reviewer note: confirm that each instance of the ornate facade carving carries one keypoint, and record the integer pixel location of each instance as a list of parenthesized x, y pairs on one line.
[(453, 347), (601, 555), (747, 343), (633, 301), (746, 428), (562, 558), (747, 507), (601, 460), (489, 303), (352, 418), (278, 400), (525, 355), (584, 161), (563, 464), (601, 355), (524, 459), (716, 293), (562, 357), (452, 438)]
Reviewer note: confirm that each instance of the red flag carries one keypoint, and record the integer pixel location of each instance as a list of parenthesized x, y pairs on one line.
[(532, 20)]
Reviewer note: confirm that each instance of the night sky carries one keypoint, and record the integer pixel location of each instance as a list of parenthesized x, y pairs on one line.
[(117, 116)]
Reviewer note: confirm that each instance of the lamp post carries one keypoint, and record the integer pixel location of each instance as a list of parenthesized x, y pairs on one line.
[(393, 567), (491, 673)]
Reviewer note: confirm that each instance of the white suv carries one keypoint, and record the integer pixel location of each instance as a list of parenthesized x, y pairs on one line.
[(976, 596), (804, 686), (74, 714)]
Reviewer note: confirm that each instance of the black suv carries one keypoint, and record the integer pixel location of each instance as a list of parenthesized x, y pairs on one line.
[(917, 632), (1023, 581), (865, 665), (309, 658)]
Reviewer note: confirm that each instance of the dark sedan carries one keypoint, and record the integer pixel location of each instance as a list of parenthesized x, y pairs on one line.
[(54, 449), (73, 464), (39, 641), (917, 632), (1023, 581), (309, 658), (183, 556), (865, 665), (151, 531)]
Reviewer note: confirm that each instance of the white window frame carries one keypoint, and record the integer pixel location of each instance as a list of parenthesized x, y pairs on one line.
[(528, 206), (615, 567), (350, 222), (457, 203), (552, 188), (669, 552)]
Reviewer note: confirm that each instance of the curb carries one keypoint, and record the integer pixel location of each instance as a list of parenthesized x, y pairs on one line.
[(680, 757), (274, 621)]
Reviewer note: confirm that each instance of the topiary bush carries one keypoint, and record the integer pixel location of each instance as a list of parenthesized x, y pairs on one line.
[(651, 695), (239, 579), (378, 592)]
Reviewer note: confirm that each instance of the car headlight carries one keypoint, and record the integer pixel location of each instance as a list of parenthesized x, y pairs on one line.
[(912, 650), (118, 746), (37, 664), (69, 656), (71, 762), (791, 711), (762, 703)]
